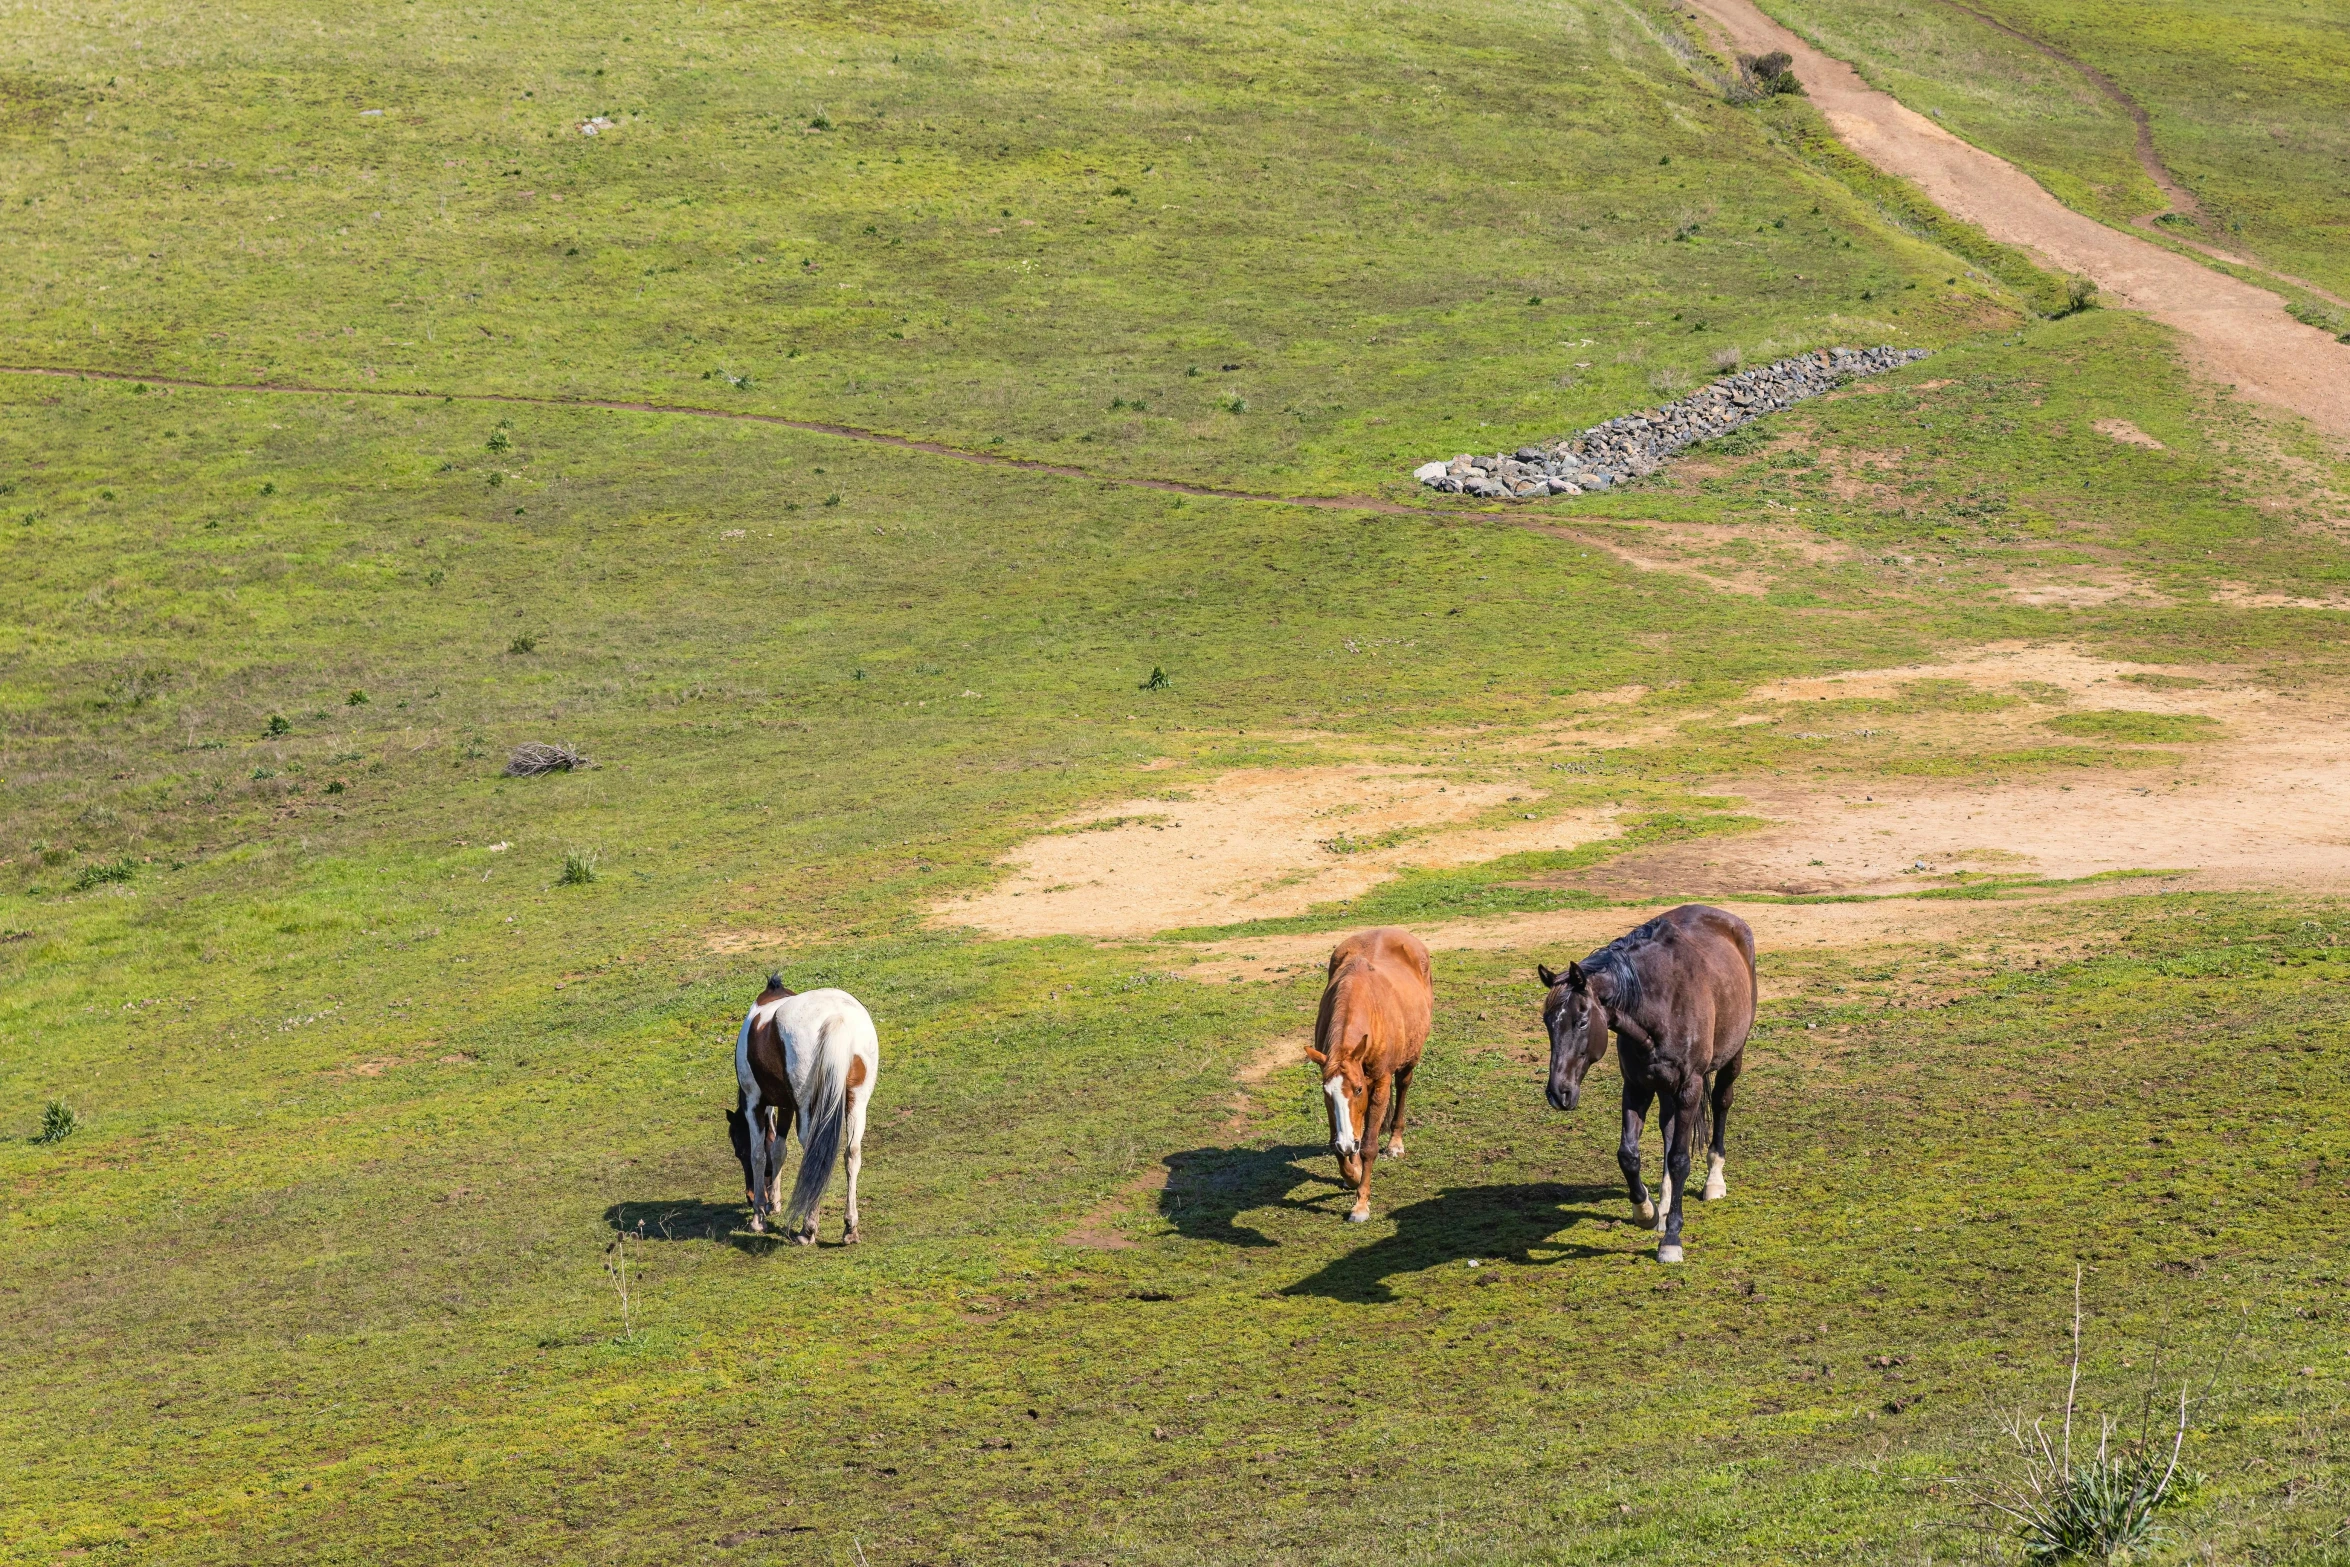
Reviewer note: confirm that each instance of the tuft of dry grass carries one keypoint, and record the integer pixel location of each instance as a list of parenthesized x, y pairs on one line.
[(534, 757)]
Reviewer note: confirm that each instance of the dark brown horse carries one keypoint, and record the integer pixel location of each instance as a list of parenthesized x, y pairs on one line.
[(1679, 994)]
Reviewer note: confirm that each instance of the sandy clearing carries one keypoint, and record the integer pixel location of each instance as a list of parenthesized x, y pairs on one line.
[(2263, 803), (1255, 845), (2240, 335)]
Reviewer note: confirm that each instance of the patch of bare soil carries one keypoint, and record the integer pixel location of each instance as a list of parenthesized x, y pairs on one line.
[(1728, 559), (2240, 335), (2257, 798), (1257, 845), (2127, 433), (2264, 803), (2079, 587), (2237, 595)]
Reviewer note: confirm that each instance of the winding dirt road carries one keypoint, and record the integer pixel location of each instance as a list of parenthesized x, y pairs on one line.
[(2240, 335)]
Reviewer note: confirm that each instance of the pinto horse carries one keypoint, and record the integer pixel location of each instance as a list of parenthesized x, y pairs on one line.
[(812, 1061), (1376, 1009), (1679, 993)]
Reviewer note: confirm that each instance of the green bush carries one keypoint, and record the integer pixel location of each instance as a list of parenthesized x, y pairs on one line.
[(58, 1122), (98, 874)]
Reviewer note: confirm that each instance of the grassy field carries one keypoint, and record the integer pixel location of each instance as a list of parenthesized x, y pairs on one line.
[(2241, 94), (366, 1090)]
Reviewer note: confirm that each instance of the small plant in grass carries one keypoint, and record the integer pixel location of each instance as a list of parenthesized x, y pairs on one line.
[(1158, 680), (1668, 383), (98, 873), (269, 486), (616, 1270), (355, 699), (1767, 74), (2079, 294), (2096, 1508), (278, 724), (522, 643), (1727, 360), (498, 442), (579, 867), (58, 1122)]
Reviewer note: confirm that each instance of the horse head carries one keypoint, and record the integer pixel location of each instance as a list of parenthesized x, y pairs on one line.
[(1576, 1017), (1346, 1085), (738, 1132)]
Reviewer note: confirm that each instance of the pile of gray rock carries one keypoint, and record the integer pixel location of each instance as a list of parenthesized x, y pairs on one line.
[(1607, 454)]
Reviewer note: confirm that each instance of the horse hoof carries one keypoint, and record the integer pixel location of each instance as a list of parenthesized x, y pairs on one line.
[(758, 1225), (1360, 1216), (1668, 1252), (849, 1238), (1716, 1190), (1645, 1213)]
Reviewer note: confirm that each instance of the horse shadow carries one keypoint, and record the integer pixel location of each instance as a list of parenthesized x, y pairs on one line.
[(1208, 1189), (690, 1219), (1511, 1223)]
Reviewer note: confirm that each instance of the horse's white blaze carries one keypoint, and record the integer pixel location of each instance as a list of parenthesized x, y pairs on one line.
[(1341, 1113), (1715, 1187)]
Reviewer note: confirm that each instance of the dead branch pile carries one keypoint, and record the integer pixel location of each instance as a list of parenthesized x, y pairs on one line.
[(533, 758)]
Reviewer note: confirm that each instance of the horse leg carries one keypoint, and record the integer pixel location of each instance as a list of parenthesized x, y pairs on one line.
[(755, 1132), (1636, 1097), (1394, 1148), (1374, 1114), (1680, 1121), (778, 1135), (1724, 1080), (854, 1157)]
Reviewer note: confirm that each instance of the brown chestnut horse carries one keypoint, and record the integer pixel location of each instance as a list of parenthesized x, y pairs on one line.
[(1679, 993), (1376, 1010)]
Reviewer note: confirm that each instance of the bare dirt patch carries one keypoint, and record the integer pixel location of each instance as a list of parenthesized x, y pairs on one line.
[(2127, 433), (1257, 845), (1728, 559), (2236, 786), (2264, 803)]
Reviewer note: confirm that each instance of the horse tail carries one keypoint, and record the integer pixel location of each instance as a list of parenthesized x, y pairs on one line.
[(823, 1108)]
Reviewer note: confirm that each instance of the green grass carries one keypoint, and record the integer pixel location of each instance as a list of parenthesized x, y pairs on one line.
[(2135, 727), (364, 1083)]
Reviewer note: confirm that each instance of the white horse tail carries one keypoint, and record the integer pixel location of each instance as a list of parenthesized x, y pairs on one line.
[(823, 1107)]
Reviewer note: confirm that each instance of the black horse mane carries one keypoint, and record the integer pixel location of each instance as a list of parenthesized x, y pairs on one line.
[(1615, 960)]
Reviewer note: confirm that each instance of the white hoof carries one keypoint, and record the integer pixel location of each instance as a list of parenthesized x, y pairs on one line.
[(1363, 1217), (1715, 1189), (1645, 1213), (1668, 1253), (758, 1225)]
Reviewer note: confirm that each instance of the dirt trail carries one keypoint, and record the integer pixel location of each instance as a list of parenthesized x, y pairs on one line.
[(847, 432), (2241, 334)]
